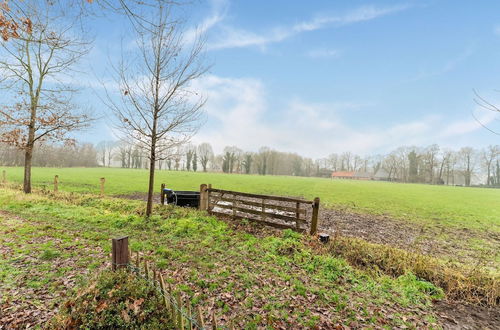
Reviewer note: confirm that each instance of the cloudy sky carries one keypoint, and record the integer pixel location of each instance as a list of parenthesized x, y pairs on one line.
[(317, 77)]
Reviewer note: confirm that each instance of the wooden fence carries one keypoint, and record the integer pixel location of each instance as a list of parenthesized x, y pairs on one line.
[(276, 211)]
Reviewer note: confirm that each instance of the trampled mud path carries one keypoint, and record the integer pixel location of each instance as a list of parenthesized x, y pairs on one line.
[(438, 241)]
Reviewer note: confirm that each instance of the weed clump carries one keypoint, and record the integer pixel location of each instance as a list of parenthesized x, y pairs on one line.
[(113, 300), (458, 281)]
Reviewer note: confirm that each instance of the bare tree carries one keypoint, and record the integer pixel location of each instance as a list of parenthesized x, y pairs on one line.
[(32, 65), (467, 159), (157, 108), (190, 151), (247, 162), (262, 159), (206, 154), (488, 157), (430, 160)]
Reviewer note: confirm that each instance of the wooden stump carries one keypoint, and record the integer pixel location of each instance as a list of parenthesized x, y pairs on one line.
[(120, 253), (203, 198), (56, 183)]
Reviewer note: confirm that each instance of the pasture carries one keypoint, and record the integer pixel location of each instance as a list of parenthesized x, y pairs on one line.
[(453, 234), (50, 244), (455, 224), (457, 207)]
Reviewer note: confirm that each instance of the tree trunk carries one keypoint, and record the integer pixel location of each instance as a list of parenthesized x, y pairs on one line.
[(29, 149), (149, 207), (27, 169)]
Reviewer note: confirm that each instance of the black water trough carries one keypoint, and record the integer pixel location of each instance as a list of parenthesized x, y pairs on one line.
[(182, 198)]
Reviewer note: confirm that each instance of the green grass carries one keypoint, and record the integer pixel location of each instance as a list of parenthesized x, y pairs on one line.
[(278, 280), (459, 207)]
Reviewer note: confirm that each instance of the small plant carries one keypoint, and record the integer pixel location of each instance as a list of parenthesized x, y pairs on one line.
[(113, 300)]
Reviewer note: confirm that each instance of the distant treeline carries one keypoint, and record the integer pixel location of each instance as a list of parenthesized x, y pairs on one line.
[(431, 164), (48, 155)]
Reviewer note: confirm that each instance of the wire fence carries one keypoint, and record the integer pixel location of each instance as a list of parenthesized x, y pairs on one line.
[(180, 312)]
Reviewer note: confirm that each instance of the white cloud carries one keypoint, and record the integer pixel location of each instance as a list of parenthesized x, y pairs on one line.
[(231, 37), (218, 13), (239, 113), (483, 118)]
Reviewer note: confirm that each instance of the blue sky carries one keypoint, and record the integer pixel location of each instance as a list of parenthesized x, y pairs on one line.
[(317, 77)]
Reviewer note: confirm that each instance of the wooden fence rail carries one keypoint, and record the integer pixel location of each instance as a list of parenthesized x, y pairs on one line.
[(276, 211)]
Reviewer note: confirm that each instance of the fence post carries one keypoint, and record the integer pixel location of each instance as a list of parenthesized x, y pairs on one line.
[(56, 183), (203, 197), (162, 194), (103, 180), (314, 220), (4, 176), (208, 197), (120, 252)]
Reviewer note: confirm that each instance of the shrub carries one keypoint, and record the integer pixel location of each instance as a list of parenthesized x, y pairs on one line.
[(113, 300)]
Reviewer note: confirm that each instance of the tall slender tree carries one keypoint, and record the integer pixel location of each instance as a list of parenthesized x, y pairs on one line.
[(158, 109)]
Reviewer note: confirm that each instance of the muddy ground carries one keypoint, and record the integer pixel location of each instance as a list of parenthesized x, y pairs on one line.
[(436, 240)]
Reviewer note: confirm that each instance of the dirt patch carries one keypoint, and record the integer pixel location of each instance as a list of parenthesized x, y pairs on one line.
[(429, 240), (467, 316), (139, 196)]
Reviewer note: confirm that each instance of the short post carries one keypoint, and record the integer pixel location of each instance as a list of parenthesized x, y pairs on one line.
[(4, 176), (103, 180), (208, 197), (120, 253), (162, 194), (203, 197), (56, 183), (314, 219)]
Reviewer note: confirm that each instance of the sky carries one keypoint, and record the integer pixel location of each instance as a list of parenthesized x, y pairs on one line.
[(322, 77)]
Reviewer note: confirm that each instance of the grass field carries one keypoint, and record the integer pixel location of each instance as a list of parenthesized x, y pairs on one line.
[(50, 243), (458, 207)]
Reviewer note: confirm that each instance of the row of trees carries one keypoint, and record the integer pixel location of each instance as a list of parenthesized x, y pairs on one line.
[(431, 164), (50, 155)]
